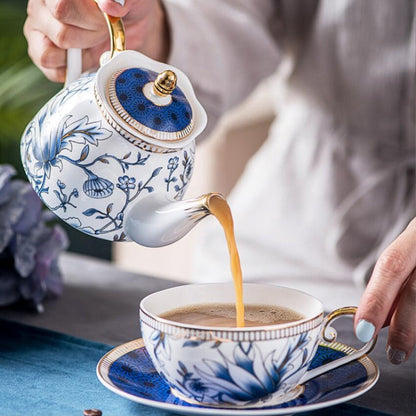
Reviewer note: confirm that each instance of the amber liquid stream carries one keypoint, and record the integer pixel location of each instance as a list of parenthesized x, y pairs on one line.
[(219, 208)]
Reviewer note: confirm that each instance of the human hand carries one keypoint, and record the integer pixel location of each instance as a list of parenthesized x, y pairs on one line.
[(390, 297), (52, 26)]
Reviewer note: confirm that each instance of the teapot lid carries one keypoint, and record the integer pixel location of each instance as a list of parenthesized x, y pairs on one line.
[(151, 103)]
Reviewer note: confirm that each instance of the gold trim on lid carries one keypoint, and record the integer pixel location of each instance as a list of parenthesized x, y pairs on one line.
[(165, 83)]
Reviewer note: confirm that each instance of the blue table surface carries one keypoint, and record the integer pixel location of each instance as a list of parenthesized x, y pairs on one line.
[(44, 372)]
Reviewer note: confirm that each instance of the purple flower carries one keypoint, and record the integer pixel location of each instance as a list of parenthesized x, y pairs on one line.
[(29, 248)]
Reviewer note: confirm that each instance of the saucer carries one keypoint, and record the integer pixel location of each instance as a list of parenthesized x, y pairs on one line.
[(128, 371)]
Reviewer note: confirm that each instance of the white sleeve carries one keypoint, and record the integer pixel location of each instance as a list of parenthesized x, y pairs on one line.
[(225, 47)]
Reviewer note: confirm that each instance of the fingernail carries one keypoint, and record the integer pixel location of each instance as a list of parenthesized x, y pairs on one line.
[(120, 2), (395, 356), (365, 330)]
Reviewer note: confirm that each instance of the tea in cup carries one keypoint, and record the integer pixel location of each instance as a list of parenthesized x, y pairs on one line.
[(193, 341), (224, 315)]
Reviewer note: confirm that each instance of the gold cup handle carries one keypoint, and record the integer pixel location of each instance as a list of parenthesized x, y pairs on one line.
[(328, 334), (117, 44)]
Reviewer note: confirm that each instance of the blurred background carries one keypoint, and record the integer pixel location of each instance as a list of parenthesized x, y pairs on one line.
[(220, 159)]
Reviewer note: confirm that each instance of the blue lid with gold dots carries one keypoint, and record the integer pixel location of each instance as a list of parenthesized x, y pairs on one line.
[(151, 103)]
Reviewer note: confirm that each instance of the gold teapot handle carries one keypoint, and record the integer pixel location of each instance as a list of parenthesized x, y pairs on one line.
[(117, 34), (117, 44)]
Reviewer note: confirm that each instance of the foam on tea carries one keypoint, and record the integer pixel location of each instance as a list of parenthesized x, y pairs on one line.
[(224, 315)]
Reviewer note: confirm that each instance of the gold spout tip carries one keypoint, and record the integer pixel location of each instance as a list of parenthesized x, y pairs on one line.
[(205, 199)]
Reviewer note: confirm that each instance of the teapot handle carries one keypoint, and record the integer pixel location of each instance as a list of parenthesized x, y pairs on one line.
[(73, 65), (117, 44)]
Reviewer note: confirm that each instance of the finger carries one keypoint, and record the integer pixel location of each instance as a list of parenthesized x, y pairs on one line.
[(130, 10), (390, 273), (42, 51), (116, 8), (402, 332), (48, 56), (55, 74), (91, 56), (80, 13), (63, 35), (391, 311)]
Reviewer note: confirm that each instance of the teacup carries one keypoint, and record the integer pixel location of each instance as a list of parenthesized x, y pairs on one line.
[(238, 367)]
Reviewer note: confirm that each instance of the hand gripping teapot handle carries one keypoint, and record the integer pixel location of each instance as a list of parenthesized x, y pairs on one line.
[(118, 44)]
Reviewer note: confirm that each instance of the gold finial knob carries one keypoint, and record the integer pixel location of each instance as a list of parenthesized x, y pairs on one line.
[(165, 83)]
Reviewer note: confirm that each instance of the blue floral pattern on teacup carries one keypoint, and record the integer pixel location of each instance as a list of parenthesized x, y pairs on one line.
[(232, 373)]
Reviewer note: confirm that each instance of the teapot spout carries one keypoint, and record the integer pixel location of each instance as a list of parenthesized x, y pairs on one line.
[(157, 221)]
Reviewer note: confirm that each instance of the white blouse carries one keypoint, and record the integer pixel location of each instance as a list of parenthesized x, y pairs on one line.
[(334, 183)]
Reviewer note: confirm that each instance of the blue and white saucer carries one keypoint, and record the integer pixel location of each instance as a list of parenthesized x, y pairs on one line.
[(128, 371)]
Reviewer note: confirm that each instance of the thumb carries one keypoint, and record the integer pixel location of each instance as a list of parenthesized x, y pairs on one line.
[(116, 8)]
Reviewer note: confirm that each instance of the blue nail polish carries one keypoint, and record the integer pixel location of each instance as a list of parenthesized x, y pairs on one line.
[(364, 330), (120, 2)]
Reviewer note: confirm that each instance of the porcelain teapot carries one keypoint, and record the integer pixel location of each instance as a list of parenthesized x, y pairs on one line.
[(113, 152)]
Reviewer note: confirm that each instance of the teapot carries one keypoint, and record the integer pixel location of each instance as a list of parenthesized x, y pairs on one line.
[(113, 152)]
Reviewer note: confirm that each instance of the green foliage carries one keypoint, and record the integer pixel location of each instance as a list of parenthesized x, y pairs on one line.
[(23, 88)]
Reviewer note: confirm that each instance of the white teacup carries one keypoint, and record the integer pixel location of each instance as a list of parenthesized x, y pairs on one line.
[(238, 367)]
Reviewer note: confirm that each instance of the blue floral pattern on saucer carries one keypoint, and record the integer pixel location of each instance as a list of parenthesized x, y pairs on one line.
[(128, 371)]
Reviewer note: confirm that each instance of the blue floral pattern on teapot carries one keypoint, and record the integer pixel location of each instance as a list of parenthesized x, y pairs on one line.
[(89, 167)]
